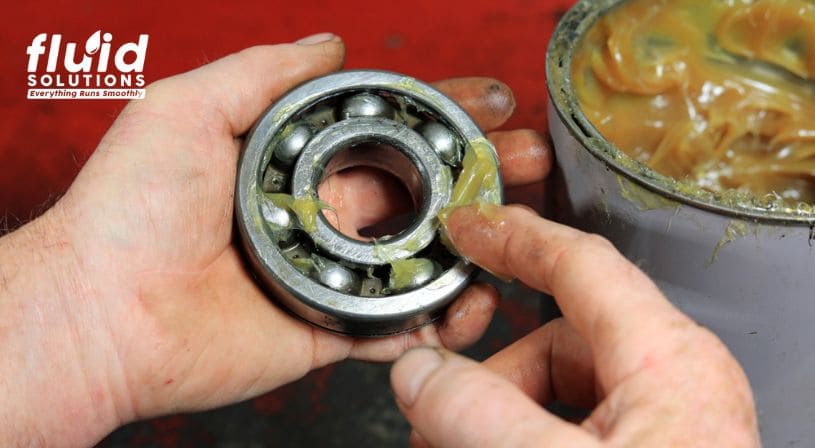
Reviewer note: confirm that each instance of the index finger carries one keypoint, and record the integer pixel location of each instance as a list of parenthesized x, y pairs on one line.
[(627, 321), (488, 101)]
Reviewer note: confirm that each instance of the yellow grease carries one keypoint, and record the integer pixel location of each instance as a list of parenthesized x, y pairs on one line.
[(478, 180), (641, 198), (304, 265), (736, 229), (306, 209), (409, 84), (403, 272), (386, 252), (719, 94), (477, 183), (778, 32)]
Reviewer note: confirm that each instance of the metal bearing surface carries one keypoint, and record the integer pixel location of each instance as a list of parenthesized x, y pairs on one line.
[(357, 118)]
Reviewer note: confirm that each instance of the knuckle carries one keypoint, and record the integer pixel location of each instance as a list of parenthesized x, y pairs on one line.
[(595, 241)]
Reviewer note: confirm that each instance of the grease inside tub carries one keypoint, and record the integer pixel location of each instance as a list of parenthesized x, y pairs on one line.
[(716, 93)]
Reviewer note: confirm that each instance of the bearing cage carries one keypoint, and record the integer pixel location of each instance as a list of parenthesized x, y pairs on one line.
[(338, 308)]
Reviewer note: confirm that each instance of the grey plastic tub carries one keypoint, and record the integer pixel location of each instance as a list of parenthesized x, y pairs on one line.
[(744, 268)]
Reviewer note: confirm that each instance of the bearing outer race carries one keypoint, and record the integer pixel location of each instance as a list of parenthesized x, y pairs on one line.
[(362, 316)]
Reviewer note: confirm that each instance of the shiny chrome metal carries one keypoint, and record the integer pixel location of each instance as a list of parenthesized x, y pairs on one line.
[(336, 276), (289, 148), (442, 141), (365, 105), (279, 220)]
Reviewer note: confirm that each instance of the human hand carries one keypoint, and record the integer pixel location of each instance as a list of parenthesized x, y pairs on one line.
[(147, 307), (652, 375)]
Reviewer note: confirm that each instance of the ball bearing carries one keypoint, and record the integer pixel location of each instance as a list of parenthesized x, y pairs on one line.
[(365, 105), (360, 118), (289, 148)]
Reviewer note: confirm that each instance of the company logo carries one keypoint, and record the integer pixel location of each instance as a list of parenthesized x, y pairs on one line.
[(101, 69)]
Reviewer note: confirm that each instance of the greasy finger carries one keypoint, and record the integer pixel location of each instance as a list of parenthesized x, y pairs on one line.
[(551, 363), (455, 402), (525, 156), (469, 316), (612, 304), (489, 101)]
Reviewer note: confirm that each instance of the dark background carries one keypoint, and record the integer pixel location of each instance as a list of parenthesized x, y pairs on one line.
[(43, 144)]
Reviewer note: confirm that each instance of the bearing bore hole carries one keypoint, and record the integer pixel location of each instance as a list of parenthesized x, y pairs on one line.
[(374, 190)]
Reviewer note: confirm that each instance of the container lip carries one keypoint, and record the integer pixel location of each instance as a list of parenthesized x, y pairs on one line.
[(568, 34)]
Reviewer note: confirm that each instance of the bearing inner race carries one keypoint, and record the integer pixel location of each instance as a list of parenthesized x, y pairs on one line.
[(436, 188)]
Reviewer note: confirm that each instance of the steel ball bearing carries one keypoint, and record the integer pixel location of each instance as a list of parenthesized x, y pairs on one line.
[(376, 119)]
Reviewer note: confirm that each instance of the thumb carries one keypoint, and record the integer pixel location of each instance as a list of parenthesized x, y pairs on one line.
[(455, 402), (240, 86)]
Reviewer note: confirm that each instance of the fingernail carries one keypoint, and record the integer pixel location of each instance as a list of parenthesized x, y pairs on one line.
[(316, 39), (411, 372)]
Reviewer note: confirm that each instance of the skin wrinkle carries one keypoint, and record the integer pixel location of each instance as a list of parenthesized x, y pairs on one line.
[(604, 417), (579, 242), (124, 405), (5, 279), (150, 307), (313, 363), (552, 393), (225, 223), (192, 366), (345, 350), (224, 121), (509, 243)]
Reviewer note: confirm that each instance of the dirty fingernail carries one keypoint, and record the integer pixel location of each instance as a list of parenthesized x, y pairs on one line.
[(316, 39), (411, 372)]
